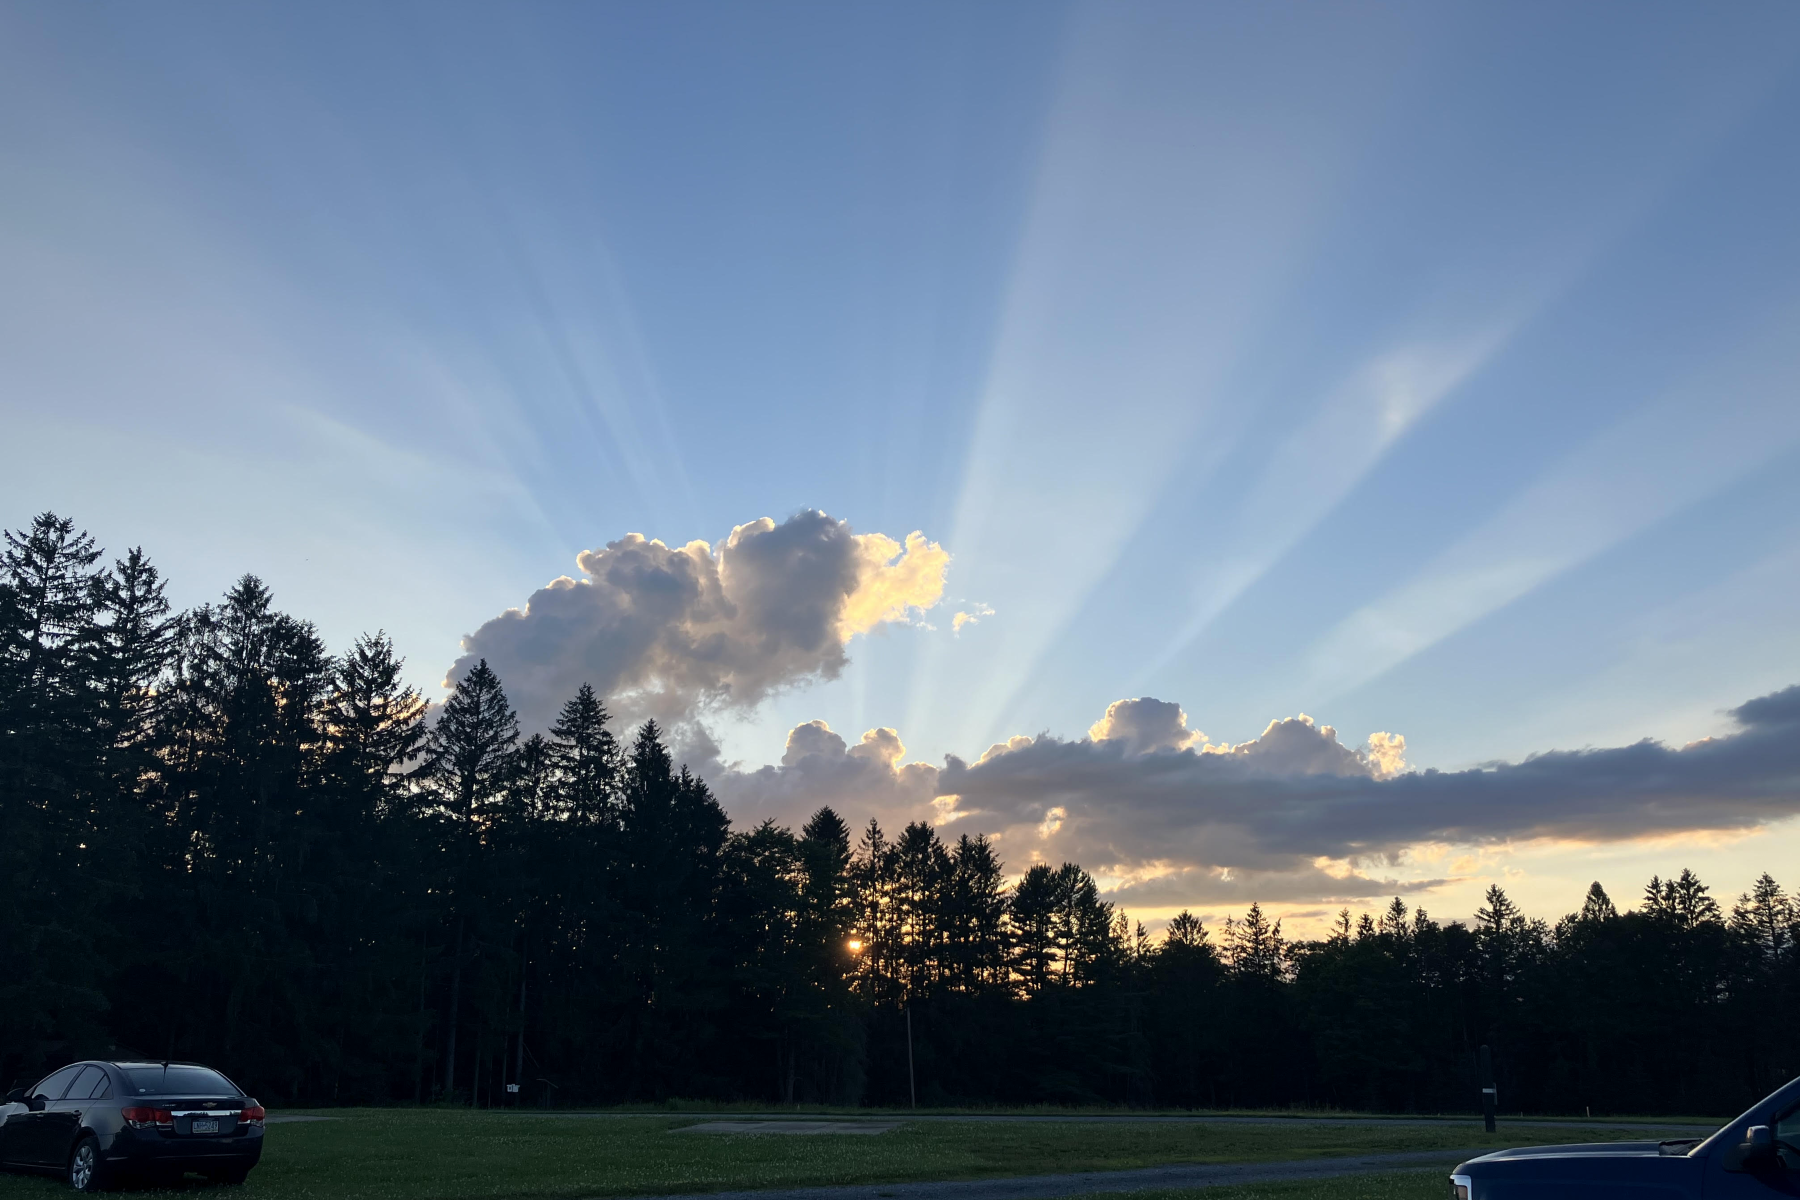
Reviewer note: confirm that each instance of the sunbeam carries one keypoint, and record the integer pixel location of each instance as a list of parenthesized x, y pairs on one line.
[(1693, 441), (1158, 238)]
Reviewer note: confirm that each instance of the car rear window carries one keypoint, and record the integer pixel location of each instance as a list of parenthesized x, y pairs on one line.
[(172, 1080)]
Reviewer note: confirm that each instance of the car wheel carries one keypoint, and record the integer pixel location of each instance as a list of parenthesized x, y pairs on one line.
[(86, 1172)]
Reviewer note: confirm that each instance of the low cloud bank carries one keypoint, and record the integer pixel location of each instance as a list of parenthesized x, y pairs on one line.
[(1294, 814), (669, 631)]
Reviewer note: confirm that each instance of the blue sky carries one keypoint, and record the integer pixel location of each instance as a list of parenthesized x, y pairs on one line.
[(1427, 369)]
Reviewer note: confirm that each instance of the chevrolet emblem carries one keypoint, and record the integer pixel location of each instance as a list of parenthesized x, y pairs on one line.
[(212, 1104)]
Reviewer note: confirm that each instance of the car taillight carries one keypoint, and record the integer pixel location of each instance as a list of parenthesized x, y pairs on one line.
[(144, 1118), (252, 1115)]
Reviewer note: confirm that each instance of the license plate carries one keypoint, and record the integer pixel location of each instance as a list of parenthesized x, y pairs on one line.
[(206, 1125)]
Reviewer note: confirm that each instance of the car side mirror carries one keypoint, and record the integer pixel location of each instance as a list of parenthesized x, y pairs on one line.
[(1756, 1152), (36, 1103)]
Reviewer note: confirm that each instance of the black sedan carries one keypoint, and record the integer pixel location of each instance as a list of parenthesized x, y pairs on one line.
[(95, 1122)]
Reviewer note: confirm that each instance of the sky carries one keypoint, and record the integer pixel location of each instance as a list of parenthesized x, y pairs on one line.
[(1300, 453)]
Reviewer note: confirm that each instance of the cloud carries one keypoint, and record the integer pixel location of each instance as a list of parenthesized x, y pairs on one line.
[(1145, 724), (668, 631), (972, 616), (1165, 818), (1183, 887), (1130, 801), (869, 779)]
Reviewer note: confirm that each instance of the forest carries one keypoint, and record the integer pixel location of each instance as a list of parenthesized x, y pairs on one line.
[(222, 841)]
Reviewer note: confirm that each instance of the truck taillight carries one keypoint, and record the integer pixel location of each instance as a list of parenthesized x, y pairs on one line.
[(144, 1118), (252, 1115)]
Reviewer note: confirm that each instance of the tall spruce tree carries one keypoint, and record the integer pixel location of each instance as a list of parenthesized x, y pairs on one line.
[(470, 759), (587, 759)]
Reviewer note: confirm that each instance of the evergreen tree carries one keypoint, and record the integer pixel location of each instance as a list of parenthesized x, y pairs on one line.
[(469, 753), (977, 916), (375, 724), (1186, 931), (1683, 902), (1765, 917), (1031, 921), (133, 645), (587, 759), (470, 759), (1254, 947), (51, 779), (1597, 906)]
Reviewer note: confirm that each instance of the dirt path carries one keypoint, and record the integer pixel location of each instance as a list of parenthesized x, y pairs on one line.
[(1642, 1129), (1081, 1183)]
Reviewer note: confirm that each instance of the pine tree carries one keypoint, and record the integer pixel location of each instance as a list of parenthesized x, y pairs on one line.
[(922, 880), (877, 916), (1254, 947), (470, 757), (826, 903), (1765, 917), (132, 646), (51, 584), (1597, 906), (470, 749), (1185, 930), (978, 915), (1031, 920), (375, 722), (587, 759), (1083, 927), (51, 781), (1683, 902), (1393, 921)]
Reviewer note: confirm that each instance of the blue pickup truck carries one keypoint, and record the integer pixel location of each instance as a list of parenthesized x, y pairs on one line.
[(1755, 1157)]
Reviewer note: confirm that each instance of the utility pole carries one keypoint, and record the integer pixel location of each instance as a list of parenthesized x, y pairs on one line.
[(1489, 1097), (911, 1087)]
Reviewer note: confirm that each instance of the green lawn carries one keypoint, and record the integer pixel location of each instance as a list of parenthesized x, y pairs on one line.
[(400, 1154)]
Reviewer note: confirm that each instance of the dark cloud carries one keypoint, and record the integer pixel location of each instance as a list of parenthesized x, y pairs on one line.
[(1292, 816), (667, 631), (1296, 796), (1777, 710)]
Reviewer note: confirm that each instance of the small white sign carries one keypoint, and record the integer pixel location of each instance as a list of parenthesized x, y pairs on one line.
[(512, 1087)]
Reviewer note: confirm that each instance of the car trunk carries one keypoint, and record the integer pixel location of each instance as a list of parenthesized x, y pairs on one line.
[(201, 1117)]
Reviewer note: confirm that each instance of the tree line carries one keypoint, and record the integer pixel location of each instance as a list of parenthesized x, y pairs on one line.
[(220, 841)]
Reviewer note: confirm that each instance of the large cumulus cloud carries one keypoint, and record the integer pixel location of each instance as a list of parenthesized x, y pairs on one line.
[(667, 631)]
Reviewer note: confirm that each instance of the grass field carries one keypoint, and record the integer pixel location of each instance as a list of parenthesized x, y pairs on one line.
[(399, 1154)]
